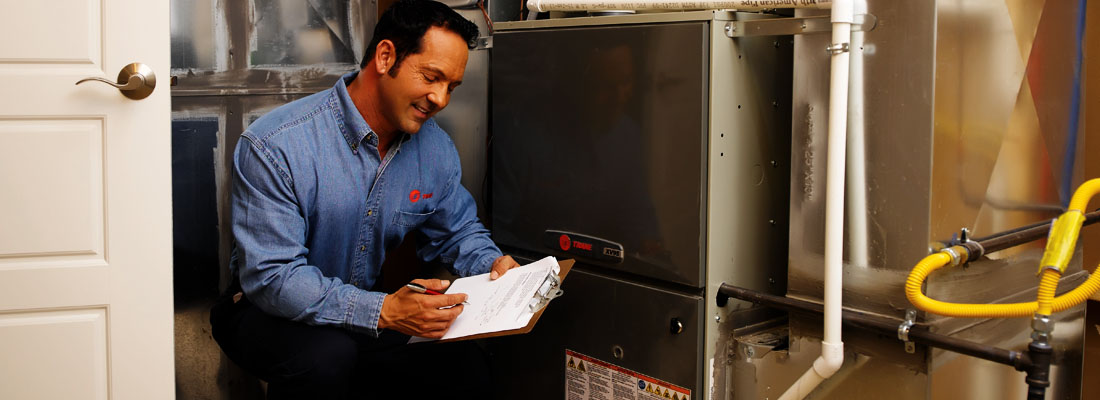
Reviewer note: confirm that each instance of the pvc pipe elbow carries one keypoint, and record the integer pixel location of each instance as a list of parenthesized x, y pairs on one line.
[(831, 359), (533, 5)]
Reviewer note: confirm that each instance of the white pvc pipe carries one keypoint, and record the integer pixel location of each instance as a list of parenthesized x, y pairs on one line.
[(592, 5), (832, 348), (857, 162)]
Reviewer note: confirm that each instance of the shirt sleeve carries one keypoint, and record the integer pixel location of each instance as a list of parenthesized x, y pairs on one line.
[(275, 274), (454, 234)]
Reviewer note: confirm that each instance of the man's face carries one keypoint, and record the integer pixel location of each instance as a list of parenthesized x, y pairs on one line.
[(424, 81)]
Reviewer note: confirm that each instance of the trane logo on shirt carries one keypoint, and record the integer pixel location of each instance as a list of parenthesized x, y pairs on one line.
[(415, 196)]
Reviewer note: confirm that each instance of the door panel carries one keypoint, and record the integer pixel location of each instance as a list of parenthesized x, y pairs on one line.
[(52, 32), (42, 349), (58, 167), (85, 213)]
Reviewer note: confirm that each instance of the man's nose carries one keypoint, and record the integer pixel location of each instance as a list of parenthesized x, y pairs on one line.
[(439, 97)]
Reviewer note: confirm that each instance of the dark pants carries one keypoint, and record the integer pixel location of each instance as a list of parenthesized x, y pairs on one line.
[(301, 361)]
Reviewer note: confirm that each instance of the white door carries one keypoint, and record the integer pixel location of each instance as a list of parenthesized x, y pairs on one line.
[(85, 203)]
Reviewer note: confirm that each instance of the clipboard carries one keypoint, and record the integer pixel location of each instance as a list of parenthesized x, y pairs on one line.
[(542, 298)]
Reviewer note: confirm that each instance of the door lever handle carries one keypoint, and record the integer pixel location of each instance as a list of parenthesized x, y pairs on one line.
[(135, 81)]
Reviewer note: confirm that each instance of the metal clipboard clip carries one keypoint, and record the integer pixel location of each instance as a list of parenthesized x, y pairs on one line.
[(549, 290)]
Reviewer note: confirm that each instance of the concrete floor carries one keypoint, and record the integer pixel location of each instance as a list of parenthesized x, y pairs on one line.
[(202, 371)]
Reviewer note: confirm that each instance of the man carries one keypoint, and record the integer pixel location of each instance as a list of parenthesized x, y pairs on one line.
[(324, 186)]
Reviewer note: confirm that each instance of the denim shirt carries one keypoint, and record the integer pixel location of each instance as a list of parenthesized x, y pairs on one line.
[(315, 209)]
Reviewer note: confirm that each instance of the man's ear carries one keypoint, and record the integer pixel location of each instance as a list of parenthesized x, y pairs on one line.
[(384, 56)]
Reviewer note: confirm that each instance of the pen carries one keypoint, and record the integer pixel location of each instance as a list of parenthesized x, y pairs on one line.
[(421, 289)]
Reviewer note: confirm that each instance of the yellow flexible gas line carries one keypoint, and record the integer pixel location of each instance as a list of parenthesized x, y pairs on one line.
[(1059, 251), (1060, 245), (1010, 310)]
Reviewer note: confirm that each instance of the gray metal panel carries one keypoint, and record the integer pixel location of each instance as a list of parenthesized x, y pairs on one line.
[(957, 137), (899, 72), (874, 368), (596, 315), (749, 181), (1002, 106), (466, 119), (601, 131)]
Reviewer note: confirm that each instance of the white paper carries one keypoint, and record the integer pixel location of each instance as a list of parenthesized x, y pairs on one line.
[(497, 305)]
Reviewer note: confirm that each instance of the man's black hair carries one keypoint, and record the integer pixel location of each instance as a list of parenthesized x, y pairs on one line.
[(405, 23)]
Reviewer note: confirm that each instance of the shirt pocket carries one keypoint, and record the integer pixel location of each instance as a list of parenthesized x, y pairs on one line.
[(411, 220)]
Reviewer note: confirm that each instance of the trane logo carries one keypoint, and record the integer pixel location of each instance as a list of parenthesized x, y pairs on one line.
[(415, 196), (566, 243)]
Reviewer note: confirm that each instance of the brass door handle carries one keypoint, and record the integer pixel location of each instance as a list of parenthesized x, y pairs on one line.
[(135, 81)]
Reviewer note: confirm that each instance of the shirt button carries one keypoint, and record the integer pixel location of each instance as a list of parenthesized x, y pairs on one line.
[(370, 212), (362, 248)]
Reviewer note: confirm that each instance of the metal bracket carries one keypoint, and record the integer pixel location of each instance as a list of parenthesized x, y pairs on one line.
[(484, 42), (794, 26), (837, 48), (903, 330)]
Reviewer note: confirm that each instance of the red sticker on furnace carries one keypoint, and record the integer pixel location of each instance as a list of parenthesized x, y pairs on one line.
[(414, 196), (565, 243)]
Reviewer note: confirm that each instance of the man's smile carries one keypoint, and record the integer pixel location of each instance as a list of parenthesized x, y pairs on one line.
[(424, 111)]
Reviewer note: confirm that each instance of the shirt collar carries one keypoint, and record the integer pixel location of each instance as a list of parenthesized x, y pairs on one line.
[(355, 128)]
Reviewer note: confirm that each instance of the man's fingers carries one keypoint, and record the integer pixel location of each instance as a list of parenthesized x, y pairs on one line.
[(499, 268), (433, 284), (501, 265), (433, 334), (443, 300), (435, 326)]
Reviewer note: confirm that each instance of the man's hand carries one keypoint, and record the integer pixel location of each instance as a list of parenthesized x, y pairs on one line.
[(417, 314), (501, 265)]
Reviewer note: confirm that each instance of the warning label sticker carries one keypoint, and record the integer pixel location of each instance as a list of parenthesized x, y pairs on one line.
[(587, 378)]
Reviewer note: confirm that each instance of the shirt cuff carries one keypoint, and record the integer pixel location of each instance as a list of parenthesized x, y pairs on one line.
[(485, 263), (364, 310)]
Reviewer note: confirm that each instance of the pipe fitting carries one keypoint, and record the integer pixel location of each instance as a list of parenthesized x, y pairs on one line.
[(1042, 323), (1042, 327), (831, 359), (959, 254), (1038, 374)]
